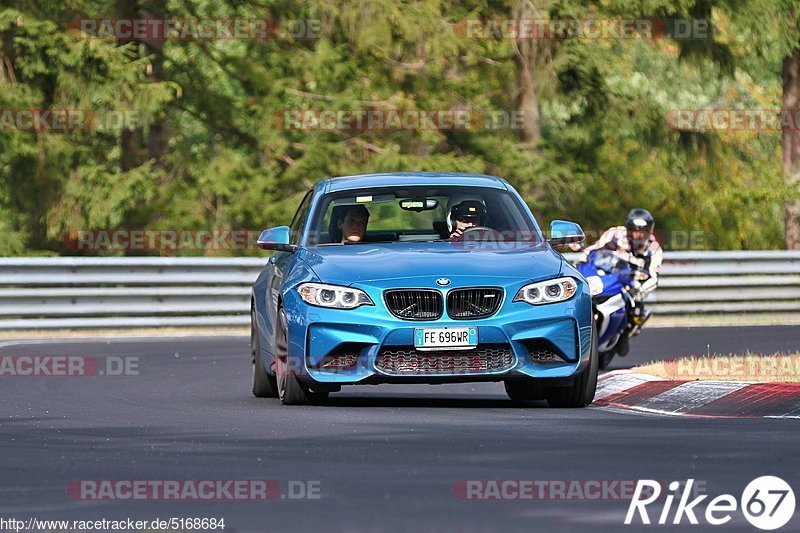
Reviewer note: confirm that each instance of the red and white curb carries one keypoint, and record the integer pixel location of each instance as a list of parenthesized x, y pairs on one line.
[(644, 393)]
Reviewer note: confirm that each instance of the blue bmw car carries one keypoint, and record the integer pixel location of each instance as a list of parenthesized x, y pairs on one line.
[(420, 278)]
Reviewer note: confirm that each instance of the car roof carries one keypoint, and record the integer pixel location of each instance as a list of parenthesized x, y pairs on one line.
[(410, 179)]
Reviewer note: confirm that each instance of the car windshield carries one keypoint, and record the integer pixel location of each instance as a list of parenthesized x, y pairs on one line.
[(420, 214)]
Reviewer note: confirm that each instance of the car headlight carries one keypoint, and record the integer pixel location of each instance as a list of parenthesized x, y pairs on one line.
[(547, 292), (334, 296), (595, 285)]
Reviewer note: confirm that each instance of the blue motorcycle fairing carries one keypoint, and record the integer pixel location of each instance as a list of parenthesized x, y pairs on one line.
[(616, 282)]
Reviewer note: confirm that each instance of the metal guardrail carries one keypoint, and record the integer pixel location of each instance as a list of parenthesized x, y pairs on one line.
[(79, 292), (697, 283), (83, 292)]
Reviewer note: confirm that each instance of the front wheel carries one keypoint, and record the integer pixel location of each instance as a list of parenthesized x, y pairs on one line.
[(581, 392), (291, 391)]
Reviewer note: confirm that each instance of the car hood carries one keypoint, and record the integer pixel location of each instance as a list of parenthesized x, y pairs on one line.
[(356, 263)]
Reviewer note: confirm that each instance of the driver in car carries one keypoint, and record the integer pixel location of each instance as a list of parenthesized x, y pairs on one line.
[(465, 215), (353, 224)]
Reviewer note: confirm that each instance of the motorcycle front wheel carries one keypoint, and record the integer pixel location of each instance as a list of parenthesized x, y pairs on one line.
[(605, 359)]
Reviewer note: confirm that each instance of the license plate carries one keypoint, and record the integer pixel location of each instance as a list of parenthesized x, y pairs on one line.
[(446, 338)]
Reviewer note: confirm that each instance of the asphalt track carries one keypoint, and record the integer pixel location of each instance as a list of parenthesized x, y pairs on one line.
[(386, 458)]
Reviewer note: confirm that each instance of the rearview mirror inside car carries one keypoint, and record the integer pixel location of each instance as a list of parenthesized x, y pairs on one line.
[(419, 204)]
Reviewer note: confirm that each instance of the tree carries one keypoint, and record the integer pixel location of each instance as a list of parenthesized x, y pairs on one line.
[(791, 147), (210, 151)]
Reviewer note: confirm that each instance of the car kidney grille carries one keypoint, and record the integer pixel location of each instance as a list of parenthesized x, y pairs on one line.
[(415, 304), (473, 303), (406, 361)]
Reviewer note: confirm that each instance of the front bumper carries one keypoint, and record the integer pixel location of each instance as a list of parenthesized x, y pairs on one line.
[(317, 335)]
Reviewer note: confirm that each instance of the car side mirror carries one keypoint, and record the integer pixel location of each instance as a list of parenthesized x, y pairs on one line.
[(276, 239), (565, 232)]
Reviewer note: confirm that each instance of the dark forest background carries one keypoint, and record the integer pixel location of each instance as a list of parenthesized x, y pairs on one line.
[(207, 152)]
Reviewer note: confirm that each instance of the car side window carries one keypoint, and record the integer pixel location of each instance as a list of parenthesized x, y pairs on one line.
[(296, 227)]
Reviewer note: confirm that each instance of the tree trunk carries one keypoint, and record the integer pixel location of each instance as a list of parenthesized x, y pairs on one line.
[(131, 146), (528, 104), (136, 149), (791, 149), (158, 133), (527, 57)]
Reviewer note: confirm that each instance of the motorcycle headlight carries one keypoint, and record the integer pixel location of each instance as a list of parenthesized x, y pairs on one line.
[(333, 296), (595, 285), (547, 292)]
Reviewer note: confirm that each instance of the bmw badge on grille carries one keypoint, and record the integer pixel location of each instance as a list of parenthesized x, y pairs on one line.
[(443, 282)]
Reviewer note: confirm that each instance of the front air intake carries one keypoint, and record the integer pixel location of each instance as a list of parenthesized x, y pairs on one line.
[(406, 361)]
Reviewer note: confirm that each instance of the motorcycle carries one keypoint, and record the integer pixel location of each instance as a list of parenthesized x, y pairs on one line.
[(611, 281)]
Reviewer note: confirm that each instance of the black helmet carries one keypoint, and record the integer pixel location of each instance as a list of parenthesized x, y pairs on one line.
[(639, 220), (469, 209)]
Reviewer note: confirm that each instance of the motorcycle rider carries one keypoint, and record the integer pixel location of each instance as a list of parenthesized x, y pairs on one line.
[(635, 243)]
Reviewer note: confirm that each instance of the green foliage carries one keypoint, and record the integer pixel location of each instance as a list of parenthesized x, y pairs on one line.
[(207, 151)]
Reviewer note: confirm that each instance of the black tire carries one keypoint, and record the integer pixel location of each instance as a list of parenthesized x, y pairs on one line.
[(290, 390), (581, 392), (263, 382), (524, 391), (605, 359)]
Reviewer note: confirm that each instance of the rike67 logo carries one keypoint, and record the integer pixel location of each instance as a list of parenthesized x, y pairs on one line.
[(767, 503)]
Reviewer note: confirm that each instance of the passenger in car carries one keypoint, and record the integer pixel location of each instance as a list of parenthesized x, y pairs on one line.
[(352, 223)]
